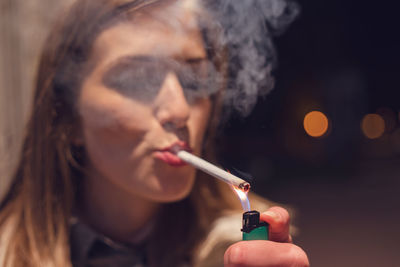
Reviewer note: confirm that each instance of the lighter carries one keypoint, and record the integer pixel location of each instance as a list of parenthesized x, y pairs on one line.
[(253, 229)]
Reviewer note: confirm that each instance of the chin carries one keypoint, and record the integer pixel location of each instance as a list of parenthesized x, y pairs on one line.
[(168, 197), (171, 184), (173, 198), (173, 191)]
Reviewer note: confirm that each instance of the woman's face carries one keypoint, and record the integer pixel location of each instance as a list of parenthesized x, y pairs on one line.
[(145, 93)]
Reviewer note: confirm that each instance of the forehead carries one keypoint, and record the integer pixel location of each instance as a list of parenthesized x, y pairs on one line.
[(170, 32)]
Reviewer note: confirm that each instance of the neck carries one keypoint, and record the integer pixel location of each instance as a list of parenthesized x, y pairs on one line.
[(116, 213)]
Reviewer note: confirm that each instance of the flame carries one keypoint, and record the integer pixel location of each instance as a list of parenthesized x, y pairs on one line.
[(244, 200)]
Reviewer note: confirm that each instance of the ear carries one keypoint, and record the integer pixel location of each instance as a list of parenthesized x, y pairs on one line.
[(77, 137), (78, 140)]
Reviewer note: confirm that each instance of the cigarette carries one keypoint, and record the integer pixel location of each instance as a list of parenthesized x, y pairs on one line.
[(213, 170)]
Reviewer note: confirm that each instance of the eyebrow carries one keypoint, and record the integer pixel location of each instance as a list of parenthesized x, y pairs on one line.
[(130, 60), (127, 60), (124, 63)]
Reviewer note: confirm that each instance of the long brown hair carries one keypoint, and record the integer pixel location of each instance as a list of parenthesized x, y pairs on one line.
[(35, 213)]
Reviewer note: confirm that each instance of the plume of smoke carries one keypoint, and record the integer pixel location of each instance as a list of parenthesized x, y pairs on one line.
[(249, 26)]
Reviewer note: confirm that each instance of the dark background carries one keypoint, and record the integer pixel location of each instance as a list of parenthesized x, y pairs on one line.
[(341, 58)]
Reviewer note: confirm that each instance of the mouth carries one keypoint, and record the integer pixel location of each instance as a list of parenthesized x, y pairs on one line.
[(168, 155)]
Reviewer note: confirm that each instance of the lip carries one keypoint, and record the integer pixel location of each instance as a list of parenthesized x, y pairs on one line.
[(168, 156)]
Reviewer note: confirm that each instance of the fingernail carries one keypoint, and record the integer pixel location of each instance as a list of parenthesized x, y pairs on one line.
[(272, 214)]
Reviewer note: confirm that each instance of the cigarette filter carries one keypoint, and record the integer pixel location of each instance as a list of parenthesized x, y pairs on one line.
[(253, 229)]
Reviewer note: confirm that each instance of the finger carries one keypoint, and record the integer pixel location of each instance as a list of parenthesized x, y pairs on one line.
[(264, 253), (279, 223)]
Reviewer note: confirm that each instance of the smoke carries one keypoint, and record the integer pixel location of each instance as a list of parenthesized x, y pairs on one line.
[(248, 30), (249, 26)]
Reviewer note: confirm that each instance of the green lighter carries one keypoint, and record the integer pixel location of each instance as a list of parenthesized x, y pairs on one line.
[(253, 229)]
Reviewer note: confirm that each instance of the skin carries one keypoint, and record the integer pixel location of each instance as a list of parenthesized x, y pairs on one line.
[(279, 251), (125, 182)]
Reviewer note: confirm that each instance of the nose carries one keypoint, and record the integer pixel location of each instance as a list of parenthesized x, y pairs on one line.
[(171, 106)]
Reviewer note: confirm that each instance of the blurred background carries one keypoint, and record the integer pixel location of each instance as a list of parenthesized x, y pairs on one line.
[(325, 141), (23, 29)]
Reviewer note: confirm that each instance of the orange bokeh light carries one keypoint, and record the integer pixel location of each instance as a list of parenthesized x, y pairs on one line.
[(373, 126), (316, 124)]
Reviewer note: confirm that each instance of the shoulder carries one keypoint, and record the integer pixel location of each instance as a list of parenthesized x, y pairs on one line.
[(7, 234), (224, 232)]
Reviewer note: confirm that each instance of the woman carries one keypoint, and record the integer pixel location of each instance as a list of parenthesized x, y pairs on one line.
[(119, 84)]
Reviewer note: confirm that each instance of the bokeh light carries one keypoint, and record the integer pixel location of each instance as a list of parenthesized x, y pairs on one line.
[(316, 124), (373, 126)]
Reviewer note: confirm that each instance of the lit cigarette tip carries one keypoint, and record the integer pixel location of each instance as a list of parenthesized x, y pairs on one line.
[(244, 186)]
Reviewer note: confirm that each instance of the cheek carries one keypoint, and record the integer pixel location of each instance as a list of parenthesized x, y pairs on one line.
[(110, 112), (113, 127), (198, 123)]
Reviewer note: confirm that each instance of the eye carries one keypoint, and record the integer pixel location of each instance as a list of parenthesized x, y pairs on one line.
[(189, 79), (197, 77), (140, 78)]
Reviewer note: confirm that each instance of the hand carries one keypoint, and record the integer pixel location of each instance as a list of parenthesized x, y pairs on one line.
[(278, 251)]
